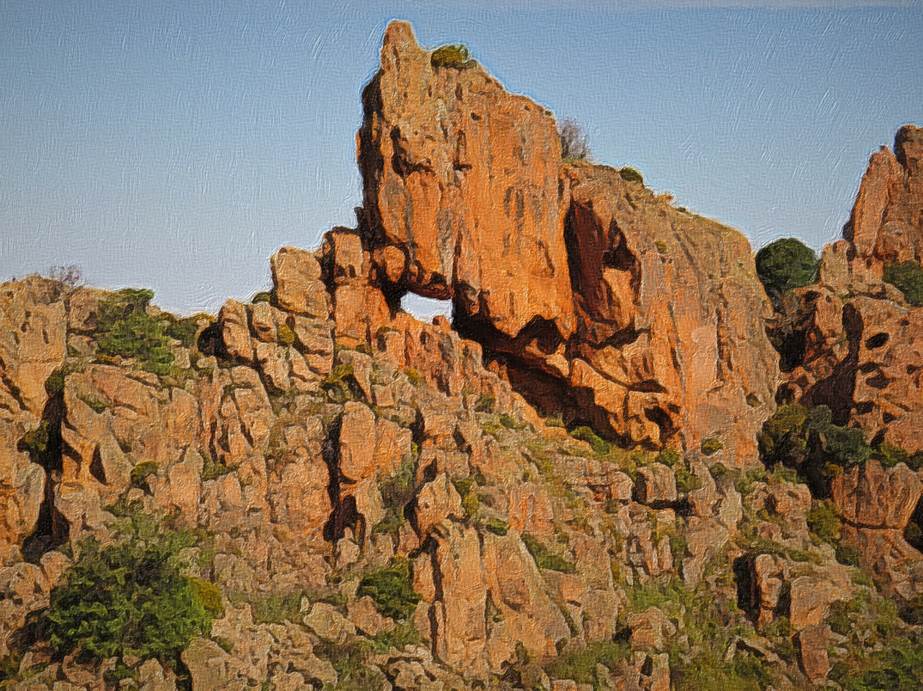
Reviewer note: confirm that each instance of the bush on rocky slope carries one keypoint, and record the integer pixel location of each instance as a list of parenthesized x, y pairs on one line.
[(907, 277), (131, 599), (784, 265)]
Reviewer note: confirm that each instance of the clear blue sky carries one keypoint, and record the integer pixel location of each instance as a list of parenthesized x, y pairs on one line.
[(175, 145)]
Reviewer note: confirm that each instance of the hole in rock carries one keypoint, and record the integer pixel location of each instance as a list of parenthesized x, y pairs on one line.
[(425, 309)]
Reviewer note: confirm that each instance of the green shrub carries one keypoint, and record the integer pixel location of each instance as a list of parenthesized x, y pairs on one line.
[(629, 174), (125, 329), (262, 296), (184, 329), (130, 598), (711, 445), (907, 277), (495, 526), (545, 558), (892, 455), (391, 589), (141, 472), (824, 522), (414, 376), (275, 608), (212, 469), (285, 335), (807, 440), (399, 637), (579, 664), (597, 443), (686, 481), (784, 265), (451, 55), (398, 489), (554, 421), (35, 441), (847, 554)]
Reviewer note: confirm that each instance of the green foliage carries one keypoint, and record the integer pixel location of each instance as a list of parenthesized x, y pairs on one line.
[(285, 335), (35, 441), (274, 608), (824, 522), (130, 598), (881, 652), (907, 277), (141, 472), (686, 481), (711, 445), (471, 503), (212, 469), (554, 421), (545, 558), (350, 662), (510, 422), (262, 296), (485, 404), (414, 376), (892, 455), (399, 637), (184, 329), (391, 589), (629, 174), (398, 489), (495, 526), (125, 329), (807, 440), (54, 385), (784, 265), (847, 554), (339, 383), (597, 443), (452, 55), (579, 664)]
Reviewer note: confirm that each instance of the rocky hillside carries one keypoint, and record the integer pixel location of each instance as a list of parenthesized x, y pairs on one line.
[(594, 477)]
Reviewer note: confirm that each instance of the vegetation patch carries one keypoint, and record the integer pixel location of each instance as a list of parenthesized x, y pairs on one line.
[(131, 599), (629, 174), (579, 664), (711, 445), (907, 277), (784, 265), (125, 329), (545, 558), (140, 474), (597, 443), (391, 589), (453, 55)]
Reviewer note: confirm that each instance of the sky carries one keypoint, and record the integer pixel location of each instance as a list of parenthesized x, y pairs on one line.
[(176, 145)]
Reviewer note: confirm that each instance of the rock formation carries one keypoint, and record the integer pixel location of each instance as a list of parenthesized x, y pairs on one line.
[(597, 299), (860, 351), (559, 489)]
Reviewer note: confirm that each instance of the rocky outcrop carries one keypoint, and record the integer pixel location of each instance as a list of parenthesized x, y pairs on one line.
[(377, 501), (858, 349), (876, 505), (462, 180), (598, 300), (32, 346)]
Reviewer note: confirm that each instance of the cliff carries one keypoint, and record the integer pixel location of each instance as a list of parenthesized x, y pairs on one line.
[(558, 489)]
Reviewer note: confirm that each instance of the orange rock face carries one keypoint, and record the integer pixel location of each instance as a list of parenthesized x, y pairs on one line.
[(596, 299), (463, 178), (670, 338)]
